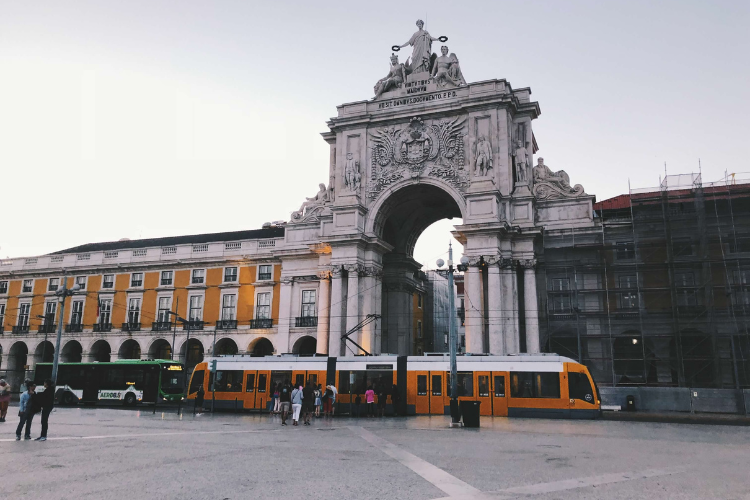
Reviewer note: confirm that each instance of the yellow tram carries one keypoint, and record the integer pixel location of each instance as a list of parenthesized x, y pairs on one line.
[(540, 385)]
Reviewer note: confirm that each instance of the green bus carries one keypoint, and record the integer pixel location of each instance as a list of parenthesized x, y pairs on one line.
[(126, 381)]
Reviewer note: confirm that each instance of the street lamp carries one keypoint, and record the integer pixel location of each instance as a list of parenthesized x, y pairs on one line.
[(61, 294), (452, 334)]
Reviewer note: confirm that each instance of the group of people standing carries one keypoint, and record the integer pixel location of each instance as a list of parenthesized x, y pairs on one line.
[(30, 404), (302, 401)]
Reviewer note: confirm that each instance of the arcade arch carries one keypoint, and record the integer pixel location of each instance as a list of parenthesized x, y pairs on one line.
[(226, 346), (100, 351), (191, 353), (260, 347), (305, 346), (72, 352), (130, 349), (44, 352), (160, 349)]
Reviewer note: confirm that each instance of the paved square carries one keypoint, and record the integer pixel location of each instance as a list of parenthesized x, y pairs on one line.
[(113, 453)]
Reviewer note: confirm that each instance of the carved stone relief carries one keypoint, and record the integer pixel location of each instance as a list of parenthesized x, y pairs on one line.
[(549, 185), (435, 150), (483, 155)]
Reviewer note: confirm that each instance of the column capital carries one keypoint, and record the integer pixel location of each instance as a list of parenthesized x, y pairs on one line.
[(354, 268), (506, 263), (493, 260), (324, 274), (527, 263)]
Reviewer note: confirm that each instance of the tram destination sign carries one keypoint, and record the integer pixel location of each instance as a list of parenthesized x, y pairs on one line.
[(379, 367)]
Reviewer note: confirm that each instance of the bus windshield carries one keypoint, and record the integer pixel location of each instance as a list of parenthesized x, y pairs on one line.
[(172, 379)]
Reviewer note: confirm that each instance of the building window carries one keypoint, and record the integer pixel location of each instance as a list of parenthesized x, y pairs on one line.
[(3, 287), (228, 307), (230, 274), (164, 309), (23, 314), (264, 272), (54, 284), (624, 251), (134, 311), (263, 307), (684, 278), (166, 278), (198, 276), (560, 302), (136, 280), (76, 313), (419, 300), (738, 243), (50, 310), (308, 304), (2, 316), (108, 281), (28, 286), (196, 308), (105, 312), (628, 299), (682, 247), (419, 329), (81, 282)]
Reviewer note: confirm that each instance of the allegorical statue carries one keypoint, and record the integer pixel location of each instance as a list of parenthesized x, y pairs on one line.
[(550, 185), (321, 198), (484, 157), (446, 70), (422, 52), (542, 173), (521, 162), (352, 176), (396, 76)]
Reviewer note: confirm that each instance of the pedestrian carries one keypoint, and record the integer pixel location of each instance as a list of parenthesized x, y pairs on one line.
[(308, 401), (318, 401), (327, 401), (275, 399), (26, 411), (382, 400), (46, 401), (4, 398), (199, 397), (357, 402), (370, 400), (285, 401), (334, 398), (297, 398), (395, 398)]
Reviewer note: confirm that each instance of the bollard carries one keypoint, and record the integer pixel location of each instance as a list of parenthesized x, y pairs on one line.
[(235, 405)]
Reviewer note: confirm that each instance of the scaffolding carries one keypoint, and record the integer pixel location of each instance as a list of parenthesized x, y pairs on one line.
[(656, 292)]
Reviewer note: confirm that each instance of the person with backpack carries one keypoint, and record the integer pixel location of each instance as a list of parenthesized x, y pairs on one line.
[(328, 401), (370, 400), (308, 401), (297, 398), (26, 411), (318, 401), (285, 401)]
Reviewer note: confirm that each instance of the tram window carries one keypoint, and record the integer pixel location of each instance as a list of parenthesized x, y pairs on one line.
[(579, 387), (437, 386), (464, 385), (499, 386), (262, 382), (313, 379), (299, 380), (229, 381), (534, 385), (484, 386), (196, 381), (250, 385), (421, 385)]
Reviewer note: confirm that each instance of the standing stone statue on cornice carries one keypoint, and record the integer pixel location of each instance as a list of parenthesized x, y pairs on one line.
[(396, 76), (521, 160), (352, 176), (446, 70), (422, 53)]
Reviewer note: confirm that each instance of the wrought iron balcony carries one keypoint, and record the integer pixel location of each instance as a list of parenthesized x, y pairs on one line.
[(48, 328), (166, 282), (226, 324), (21, 329), (74, 328), (161, 326), (261, 323), (131, 327), (264, 276), (306, 321), (102, 327), (193, 325)]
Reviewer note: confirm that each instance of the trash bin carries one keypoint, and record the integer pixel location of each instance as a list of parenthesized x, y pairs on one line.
[(630, 403), (470, 413)]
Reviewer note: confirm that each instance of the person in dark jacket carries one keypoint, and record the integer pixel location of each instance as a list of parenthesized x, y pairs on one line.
[(45, 401), (199, 397), (26, 411)]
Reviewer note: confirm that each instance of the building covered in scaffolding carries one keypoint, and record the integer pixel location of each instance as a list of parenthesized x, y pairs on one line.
[(657, 291)]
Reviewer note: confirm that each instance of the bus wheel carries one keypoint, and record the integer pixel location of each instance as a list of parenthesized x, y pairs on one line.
[(68, 398), (129, 399)]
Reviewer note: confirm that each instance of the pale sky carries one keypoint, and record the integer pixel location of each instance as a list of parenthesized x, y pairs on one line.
[(152, 118)]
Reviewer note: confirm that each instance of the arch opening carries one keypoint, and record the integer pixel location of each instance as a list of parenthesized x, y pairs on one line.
[(72, 352), (100, 351), (226, 347), (260, 347), (191, 353), (160, 349), (305, 346), (130, 349), (17, 362), (44, 352)]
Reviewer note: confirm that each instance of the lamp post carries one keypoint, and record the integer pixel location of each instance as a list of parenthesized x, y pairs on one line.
[(61, 293), (452, 334)]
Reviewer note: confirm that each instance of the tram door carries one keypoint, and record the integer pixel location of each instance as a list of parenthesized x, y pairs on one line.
[(483, 392), (423, 395), (262, 395), (249, 397), (437, 401), (298, 378), (499, 394)]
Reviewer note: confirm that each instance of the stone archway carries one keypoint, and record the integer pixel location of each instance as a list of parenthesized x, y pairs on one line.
[(260, 347), (100, 351), (191, 353), (17, 362), (226, 347), (130, 349), (305, 346), (72, 352), (160, 349), (44, 352)]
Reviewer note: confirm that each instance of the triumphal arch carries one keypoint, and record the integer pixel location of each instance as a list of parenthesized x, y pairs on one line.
[(430, 146)]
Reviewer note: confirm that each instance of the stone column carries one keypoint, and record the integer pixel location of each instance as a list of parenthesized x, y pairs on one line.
[(285, 316), (370, 339), (531, 312), (495, 305), (352, 304), (473, 308), (324, 310), (510, 307), (337, 313)]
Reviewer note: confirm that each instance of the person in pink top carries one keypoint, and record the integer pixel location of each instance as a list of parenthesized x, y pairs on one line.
[(370, 400), (4, 399)]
